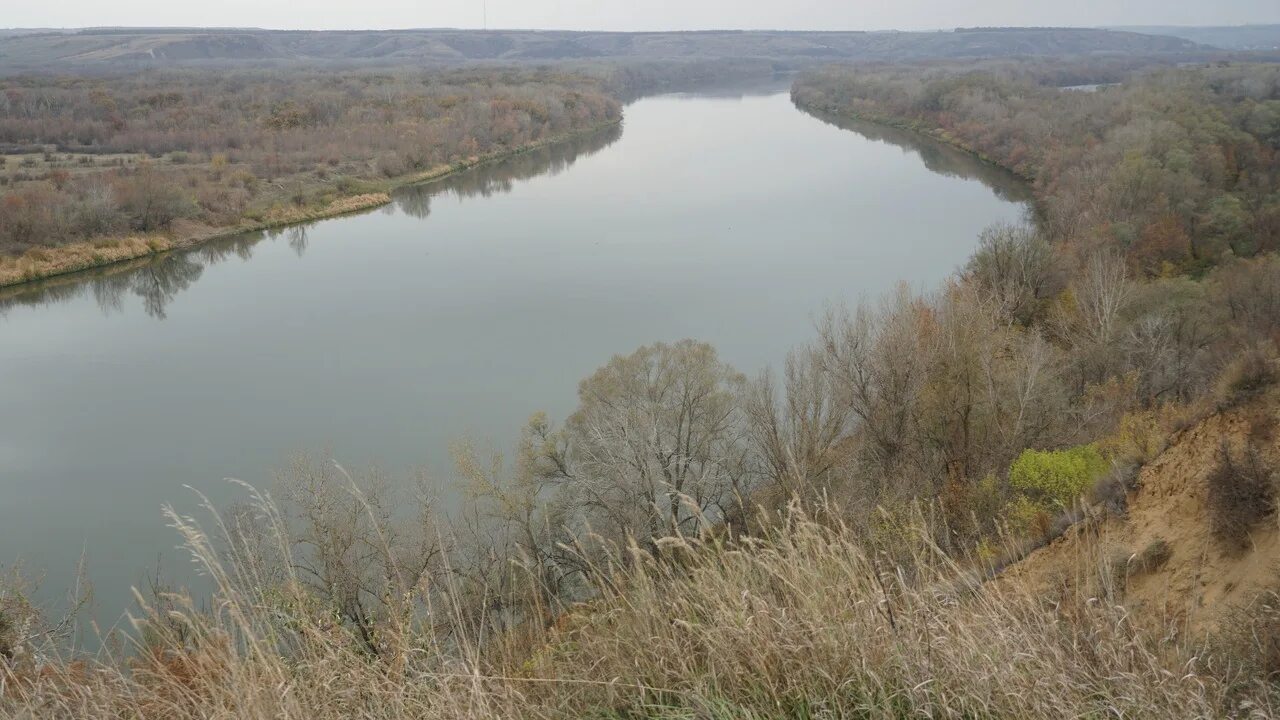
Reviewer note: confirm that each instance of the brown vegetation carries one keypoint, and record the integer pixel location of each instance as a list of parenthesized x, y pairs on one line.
[(1194, 550), (1172, 168), (693, 543), (194, 154), (1241, 493), (805, 620)]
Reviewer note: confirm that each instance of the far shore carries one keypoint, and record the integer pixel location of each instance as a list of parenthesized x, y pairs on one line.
[(44, 263)]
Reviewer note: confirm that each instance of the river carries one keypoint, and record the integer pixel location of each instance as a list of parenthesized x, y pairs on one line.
[(455, 312)]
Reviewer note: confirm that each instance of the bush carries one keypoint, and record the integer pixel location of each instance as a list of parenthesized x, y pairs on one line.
[(1152, 558), (390, 165), (94, 212), (1057, 477), (1241, 493), (29, 217), (1028, 517), (150, 201), (1247, 375)]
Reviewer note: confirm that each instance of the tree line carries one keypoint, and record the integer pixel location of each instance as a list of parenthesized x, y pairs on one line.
[(93, 157), (1172, 167)]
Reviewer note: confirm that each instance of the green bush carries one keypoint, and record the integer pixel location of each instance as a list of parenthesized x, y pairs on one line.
[(1058, 477)]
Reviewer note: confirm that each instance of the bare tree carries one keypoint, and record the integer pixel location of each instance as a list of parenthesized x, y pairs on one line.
[(798, 435), (657, 445), (353, 549)]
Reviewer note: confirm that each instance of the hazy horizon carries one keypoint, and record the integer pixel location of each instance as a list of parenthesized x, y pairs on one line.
[(620, 16), (411, 28)]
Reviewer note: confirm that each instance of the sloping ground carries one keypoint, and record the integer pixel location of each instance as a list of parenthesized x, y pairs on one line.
[(1237, 37), (162, 47), (1162, 558)]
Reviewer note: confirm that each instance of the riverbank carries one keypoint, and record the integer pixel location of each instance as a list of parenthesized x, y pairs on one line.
[(44, 263), (934, 133)]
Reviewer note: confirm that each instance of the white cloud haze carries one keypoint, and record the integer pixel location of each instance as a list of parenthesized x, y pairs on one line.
[(632, 14)]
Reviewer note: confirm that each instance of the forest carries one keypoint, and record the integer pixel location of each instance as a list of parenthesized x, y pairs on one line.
[(693, 542), (1172, 168), (96, 162), (1148, 285)]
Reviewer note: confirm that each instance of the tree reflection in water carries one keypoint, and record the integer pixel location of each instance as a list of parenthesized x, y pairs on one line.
[(159, 279), (157, 283), (937, 156), (501, 176)]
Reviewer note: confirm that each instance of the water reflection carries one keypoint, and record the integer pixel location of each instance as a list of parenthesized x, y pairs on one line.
[(156, 283), (157, 280), (937, 156), (501, 177), (715, 80), (297, 239)]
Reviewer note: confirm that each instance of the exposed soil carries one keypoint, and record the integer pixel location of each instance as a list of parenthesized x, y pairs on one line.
[(1162, 558)]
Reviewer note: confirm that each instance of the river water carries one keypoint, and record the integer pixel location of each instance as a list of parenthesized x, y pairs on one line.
[(458, 311)]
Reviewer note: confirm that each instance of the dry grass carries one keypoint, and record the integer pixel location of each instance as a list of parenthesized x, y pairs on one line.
[(341, 206), (47, 262), (810, 624), (807, 622)]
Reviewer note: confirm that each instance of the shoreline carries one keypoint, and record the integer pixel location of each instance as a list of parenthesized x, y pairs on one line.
[(933, 133), (45, 263)]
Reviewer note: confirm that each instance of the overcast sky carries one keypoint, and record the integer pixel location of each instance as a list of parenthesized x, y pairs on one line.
[(634, 14)]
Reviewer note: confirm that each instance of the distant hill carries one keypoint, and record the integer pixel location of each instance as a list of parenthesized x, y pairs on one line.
[(1235, 37), (125, 47)]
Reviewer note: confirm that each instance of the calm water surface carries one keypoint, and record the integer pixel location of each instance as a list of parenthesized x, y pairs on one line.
[(458, 311)]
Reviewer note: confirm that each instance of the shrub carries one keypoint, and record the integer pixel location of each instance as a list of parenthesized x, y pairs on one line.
[(1112, 489), (151, 201), (59, 178), (94, 211), (1058, 477), (1241, 492), (29, 217), (1152, 557), (1028, 517), (390, 165), (1248, 374)]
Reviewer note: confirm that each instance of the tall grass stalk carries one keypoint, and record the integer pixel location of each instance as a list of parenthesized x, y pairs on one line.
[(810, 619)]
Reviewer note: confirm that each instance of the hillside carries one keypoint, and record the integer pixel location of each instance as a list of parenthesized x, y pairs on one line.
[(134, 47), (1172, 557), (1231, 37)]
